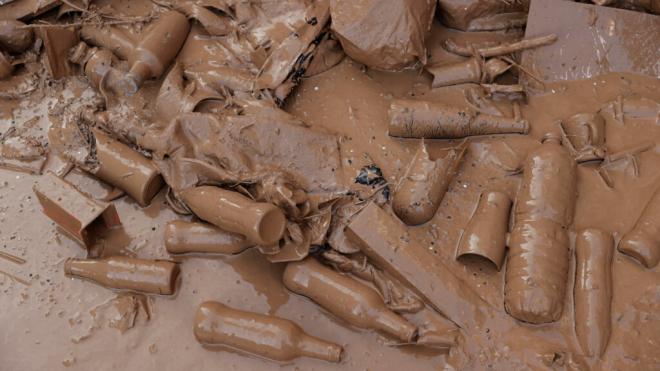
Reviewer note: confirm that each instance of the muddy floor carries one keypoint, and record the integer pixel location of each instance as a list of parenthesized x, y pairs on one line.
[(50, 321)]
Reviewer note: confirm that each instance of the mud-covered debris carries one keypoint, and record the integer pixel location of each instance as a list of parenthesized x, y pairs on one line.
[(383, 34)]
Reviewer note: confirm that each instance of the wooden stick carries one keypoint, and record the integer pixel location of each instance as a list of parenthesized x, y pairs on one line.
[(502, 49), (12, 258)]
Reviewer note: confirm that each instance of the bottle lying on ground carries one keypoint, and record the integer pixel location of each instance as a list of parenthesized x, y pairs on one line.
[(183, 237), (260, 222), (434, 120), (537, 268), (265, 336), (125, 273), (346, 298)]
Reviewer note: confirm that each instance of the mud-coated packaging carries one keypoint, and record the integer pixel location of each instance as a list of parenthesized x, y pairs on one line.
[(642, 243), (483, 15), (265, 336), (126, 273), (537, 268), (383, 34), (593, 290), (419, 193), (346, 298)]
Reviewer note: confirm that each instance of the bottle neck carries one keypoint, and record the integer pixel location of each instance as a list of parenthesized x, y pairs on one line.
[(391, 323), (84, 268), (310, 346)]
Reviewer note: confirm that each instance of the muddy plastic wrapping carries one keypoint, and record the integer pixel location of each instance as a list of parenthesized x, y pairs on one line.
[(642, 243), (483, 15), (79, 216), (537, 267), (22, 150), (383, 34), (593, 290), (269, 337), (14, 37), (197, 148), (346, 298), (126, 273), (485, 234), (26, 9), (425, 182), (266, 55)]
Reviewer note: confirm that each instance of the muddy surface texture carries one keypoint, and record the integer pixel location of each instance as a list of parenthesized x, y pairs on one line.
[(329, 185)]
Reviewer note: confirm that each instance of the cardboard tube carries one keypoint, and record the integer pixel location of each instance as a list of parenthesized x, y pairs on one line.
[(183, 237), (260, 222), (642, 243), (593, 290), (125, 273), (266, 336), (485, 234), (126, 169), (434, 120)]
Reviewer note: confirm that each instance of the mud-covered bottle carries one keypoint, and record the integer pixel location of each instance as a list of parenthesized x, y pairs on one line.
[(266, 336), (537, 268), (346, 298), (156, 48), (126, 273)]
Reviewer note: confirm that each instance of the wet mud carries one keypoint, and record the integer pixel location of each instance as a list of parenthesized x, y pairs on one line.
[(329, 185)]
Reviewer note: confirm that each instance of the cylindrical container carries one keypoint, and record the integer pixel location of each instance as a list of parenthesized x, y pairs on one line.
[(125, 273), (126, 169), (456, 73), (260, 222), (183, 237), (6, 68), (537, 268), (643, 242), (346, 298), (265, 336), (156, 48), (485, 234), (593, 290), (419, 194), (434, 120), (115, 39), (14, 36), (469, 71)]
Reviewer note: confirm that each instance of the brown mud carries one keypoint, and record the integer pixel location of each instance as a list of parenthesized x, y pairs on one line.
[(303, 160)]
